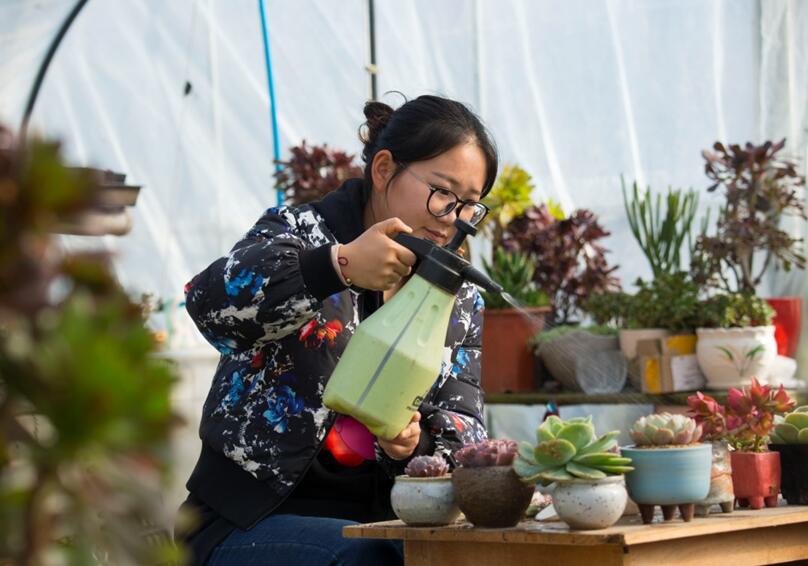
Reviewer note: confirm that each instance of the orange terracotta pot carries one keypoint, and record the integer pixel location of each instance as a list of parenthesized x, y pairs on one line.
[(508, 363)]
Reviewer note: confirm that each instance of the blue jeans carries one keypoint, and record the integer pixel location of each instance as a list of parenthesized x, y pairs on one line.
[(293, 540)]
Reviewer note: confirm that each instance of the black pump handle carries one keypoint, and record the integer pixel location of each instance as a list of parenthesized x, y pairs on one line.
[(418, 246)]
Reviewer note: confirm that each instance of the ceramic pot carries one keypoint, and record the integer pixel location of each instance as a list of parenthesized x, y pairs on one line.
[(424, 502), (590, 504), (669, 477), (794, 472), (721, 492), (492, 496), (756, 478), (730, 357)]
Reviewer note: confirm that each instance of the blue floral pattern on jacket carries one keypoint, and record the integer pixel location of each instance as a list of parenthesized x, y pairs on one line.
[(279, 345)]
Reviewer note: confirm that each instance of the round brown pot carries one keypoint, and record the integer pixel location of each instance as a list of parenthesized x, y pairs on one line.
[(492, 497)]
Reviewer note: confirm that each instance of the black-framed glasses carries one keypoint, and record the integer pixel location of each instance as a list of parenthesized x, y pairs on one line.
[(443, 201)]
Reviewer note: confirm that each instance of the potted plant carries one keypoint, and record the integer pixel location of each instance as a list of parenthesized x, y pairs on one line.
[(750, 418), (314, 171), (671, 466), (790, 440), (761, 189), (666, 306), (507, 363), (571, 265), (583, 358), (588, 490), (86, 408), (487, 490), (735, 340), (424, 496), (711, 415)]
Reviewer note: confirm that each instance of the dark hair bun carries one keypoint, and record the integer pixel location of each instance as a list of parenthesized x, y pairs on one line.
[(377, 116)]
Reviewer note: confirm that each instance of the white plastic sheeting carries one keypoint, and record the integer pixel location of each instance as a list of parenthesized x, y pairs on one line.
[(577, 92)]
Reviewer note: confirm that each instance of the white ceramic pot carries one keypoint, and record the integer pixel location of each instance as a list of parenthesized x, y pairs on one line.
[(731, 357), (590, 504), (424, 501), (630, 337)]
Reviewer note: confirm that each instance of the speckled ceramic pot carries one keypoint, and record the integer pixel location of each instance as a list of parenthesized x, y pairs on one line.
[(590, 504), (424, 502)]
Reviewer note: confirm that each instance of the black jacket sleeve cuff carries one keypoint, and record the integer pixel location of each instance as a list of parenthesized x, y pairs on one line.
[(318, 272)]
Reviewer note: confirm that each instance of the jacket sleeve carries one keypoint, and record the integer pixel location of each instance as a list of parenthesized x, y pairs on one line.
[(452, 414), (270, 283)]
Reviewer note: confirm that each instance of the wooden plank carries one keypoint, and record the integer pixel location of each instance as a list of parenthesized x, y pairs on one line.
[(772, 545), (628, 531), (629, 397), (441, 553)]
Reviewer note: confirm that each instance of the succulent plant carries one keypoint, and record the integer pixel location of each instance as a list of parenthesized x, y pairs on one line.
[(427, 467), (665, 429), (487, 453), (793, 429), (568, 450)]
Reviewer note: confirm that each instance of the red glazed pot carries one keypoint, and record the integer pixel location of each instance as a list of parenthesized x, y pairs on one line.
[(787, 324), (756, 478)]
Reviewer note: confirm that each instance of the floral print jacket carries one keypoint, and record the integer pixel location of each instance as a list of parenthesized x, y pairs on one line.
[(277, 312)]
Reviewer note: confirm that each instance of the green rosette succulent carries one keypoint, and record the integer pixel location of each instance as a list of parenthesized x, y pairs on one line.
[(792, 429), (569, 450)]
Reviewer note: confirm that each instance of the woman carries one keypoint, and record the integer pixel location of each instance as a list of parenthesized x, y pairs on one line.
[(280, 474)]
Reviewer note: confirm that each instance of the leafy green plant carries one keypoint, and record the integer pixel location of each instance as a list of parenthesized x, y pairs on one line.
[(660, 230), (761, 189), (509, 197), (792, 428), (670, 301), (569, 450), (734, 310), (85, 411), (608, 309), (514, 271)]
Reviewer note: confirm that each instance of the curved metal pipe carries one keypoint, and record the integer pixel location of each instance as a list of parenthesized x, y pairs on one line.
[(43, 68)]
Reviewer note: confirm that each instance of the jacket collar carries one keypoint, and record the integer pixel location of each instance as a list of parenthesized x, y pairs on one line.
[(343, 210)]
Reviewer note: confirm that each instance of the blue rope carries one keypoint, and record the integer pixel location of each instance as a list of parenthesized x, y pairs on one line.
[(270, 83)]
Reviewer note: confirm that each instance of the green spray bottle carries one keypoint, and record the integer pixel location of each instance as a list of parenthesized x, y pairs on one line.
[(395, 355)]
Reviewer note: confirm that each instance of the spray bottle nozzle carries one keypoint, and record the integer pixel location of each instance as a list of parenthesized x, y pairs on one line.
[(464, 229)]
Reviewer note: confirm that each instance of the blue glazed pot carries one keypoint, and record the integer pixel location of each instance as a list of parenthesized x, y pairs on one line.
[(669, 476)]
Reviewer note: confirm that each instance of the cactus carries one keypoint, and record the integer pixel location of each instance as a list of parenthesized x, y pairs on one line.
[(487, 453), (665, 429), (793, 429), (427, 467), (568, 450)]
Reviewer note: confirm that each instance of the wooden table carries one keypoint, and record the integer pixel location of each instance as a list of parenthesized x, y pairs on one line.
[(765, 536)]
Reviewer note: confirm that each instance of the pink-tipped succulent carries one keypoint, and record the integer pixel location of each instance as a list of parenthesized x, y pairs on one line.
[(427, 467), (487, 453), (665, 429)]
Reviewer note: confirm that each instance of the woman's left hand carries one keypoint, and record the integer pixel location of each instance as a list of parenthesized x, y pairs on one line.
[(404, 444)]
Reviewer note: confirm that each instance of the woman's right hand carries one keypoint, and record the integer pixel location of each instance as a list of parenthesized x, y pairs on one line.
[(375, 260)]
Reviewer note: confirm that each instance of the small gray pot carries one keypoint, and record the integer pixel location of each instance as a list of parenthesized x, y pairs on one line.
[(590, 504), (424, 502)]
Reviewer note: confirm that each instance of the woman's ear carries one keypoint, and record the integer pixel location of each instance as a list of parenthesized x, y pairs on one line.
[(382, 169)]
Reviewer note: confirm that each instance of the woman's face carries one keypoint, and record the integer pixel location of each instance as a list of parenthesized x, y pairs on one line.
[(460, 170)]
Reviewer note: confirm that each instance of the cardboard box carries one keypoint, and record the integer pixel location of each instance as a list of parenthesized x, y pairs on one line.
[(669, 364)]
